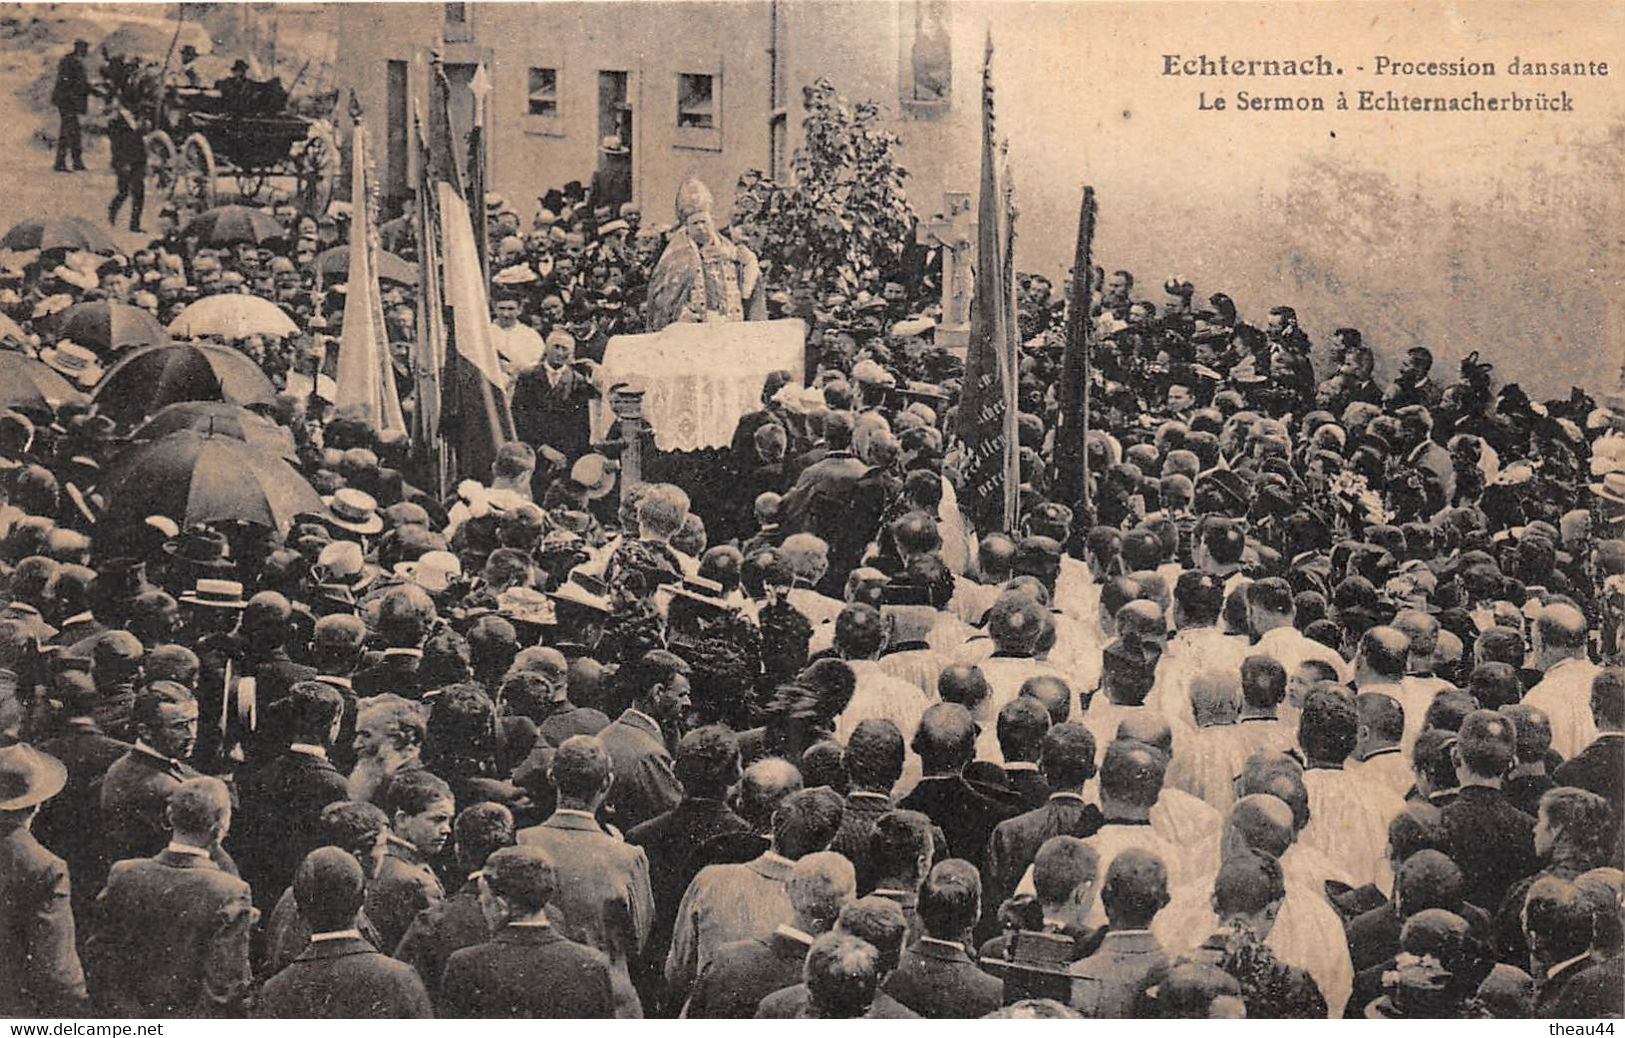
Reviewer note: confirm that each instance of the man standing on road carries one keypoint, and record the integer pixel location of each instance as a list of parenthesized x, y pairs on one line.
[(128, 143), (71, 96)]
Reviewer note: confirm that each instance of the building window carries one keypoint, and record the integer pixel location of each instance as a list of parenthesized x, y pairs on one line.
[(699, 111), (696, 102), (458, 29), (542, 92)]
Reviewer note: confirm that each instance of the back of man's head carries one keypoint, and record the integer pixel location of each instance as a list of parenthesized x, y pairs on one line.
[(524, 876), (1485, 744), (1428, 879), (327, 889), (1558, 917), (1263, 823), (1329, 726), (841, 973), (1136, 889), (900, 846), (820, 885), (1384, 651), (1608, 699), (950, 899), (946, 737), (1419, 827), (1068, 756), (1263, 682), (1381, 716), (352, 825), (806, 821), (1021, 726), (1132, 773), (763, 787), (1053, 693), (479, 831), (199, 807), (707, 762), (879, 921), (1531, 729), (581, 767), (1063, 865), (1247, 884)]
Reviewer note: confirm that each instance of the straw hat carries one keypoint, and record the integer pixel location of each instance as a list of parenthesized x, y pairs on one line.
[(73, 361), (216, 594), (354, 510), (28, 777)]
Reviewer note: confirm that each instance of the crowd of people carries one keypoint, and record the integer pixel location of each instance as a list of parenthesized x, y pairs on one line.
[(1310, 706)]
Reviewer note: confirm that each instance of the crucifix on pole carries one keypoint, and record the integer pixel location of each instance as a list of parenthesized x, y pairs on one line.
[(954, 229)]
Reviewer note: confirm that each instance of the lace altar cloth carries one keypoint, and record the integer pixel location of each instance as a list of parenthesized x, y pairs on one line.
[(699, 379)]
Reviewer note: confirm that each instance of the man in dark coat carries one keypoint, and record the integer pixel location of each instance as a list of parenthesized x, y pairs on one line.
[(283, 797), (1557, 925), (87, 753), (71, 95), (40, 973), (1067, 761), (339, 976), (937, 978), (742, 973), (421, 810), (1600, 767), (137, 786), (458, 922), (1492, 841), (880, 923), (946, 742), (707, 766), (528, 970), (645, 785), (550, 400), (172, 930), (126, 138)]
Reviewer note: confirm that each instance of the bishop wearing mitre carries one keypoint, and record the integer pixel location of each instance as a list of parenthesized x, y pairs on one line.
[(702, 276)]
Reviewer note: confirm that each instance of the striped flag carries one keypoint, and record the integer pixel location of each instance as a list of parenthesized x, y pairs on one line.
[(475, 417), (366, 376)]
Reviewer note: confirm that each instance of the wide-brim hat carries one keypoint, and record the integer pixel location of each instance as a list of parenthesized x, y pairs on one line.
[(1611, 488), (575, 592), (524, 605), (594, 474), (216, 594), (200, 549), (28, 777), (433, 571), (353, 510), (73, 361)]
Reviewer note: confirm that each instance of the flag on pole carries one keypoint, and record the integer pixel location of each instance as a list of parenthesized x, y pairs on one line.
[(480, 88), (475, 416), (985, 412), (366, 375), (429, 351)]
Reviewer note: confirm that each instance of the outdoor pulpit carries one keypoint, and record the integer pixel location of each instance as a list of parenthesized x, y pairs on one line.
[(698, 379)]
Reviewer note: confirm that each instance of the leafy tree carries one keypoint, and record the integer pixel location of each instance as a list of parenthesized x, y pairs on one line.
[(843, 219)]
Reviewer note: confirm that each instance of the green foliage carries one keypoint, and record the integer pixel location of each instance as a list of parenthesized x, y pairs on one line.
[(841, 222)]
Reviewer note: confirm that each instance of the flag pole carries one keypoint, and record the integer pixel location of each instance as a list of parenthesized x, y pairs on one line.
[(1072, 431)]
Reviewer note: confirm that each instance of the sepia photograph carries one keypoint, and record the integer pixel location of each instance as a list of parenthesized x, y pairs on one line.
[(811, 509)]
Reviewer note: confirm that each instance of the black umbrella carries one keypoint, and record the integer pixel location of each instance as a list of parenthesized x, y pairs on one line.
[(218, 418), (334, 266), (193, 477), (153, 376), (28, 383), (107, 327), (58, 232), (234, 224)]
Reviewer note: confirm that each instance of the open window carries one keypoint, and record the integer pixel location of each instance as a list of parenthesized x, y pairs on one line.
[(541, 113), (699, 111)]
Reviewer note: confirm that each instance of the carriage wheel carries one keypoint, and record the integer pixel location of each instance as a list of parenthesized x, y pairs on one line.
[(198, 157), (162, 164), (317, 162)]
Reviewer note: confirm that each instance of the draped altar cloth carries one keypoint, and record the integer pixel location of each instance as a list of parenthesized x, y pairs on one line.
[(700, 379)]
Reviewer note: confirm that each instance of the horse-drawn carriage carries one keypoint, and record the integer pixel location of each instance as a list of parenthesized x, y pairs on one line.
[(243, 129)]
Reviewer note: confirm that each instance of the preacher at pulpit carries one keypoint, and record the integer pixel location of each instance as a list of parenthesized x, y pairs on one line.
[(702, 276)]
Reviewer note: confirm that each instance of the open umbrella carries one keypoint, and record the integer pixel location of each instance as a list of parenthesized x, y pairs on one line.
[(58, 232), (107, 327), (218, 418), (28, 383), (233, 224), (10, 329), (193, 477), (143, 381), (232, 316), (334, 266)]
